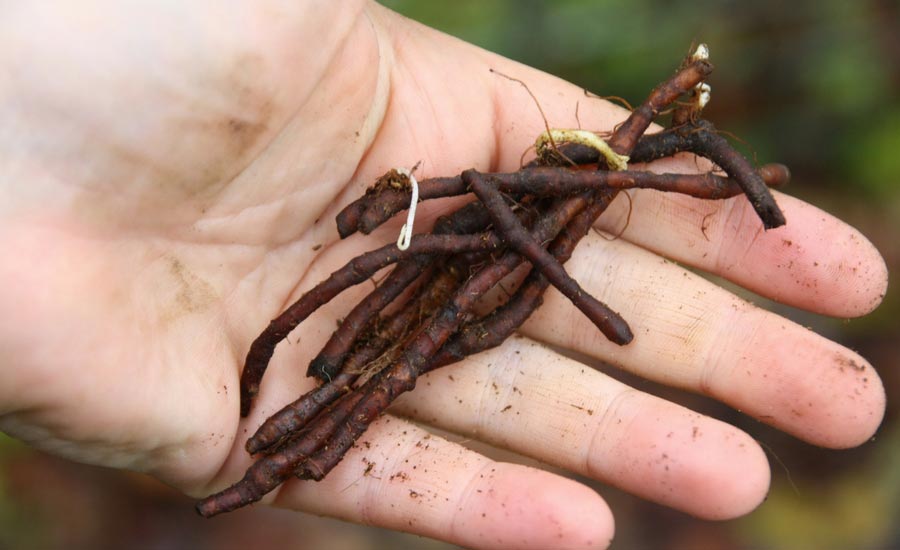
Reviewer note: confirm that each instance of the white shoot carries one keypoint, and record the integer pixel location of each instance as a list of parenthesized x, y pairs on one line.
[(704, 93), (702, 52), (407, 229)]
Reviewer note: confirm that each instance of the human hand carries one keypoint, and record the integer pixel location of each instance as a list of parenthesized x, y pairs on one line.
[(169, 174)]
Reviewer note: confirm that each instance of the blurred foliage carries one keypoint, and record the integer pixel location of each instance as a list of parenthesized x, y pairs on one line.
[(855, 510), (19, 526)]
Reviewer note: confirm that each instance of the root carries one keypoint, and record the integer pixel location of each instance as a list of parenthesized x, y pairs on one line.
[(536, 216)]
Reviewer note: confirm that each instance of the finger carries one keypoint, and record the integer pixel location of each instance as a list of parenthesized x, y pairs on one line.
[(420, 483), (693, 334), (527, 398), (400, 477), (815, 262)]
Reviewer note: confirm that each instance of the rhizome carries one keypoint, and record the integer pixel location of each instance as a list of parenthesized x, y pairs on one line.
[(536, 216)]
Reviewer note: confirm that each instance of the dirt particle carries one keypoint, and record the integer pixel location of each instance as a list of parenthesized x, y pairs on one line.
[(590, 412), (848, 362), (192, 293), (401, 475)]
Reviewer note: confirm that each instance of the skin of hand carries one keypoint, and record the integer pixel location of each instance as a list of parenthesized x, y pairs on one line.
[(169, 170)]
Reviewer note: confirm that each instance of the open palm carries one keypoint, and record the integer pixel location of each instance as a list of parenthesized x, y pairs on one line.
[(170, 177)]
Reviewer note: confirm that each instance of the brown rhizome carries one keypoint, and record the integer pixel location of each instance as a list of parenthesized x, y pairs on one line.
[(534, 216)]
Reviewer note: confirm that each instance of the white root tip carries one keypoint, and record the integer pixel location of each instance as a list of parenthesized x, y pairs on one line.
[(702, 52), (704, 94), (407, 230)]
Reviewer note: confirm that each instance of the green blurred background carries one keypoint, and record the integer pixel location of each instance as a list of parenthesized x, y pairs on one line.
[(812, 84)]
